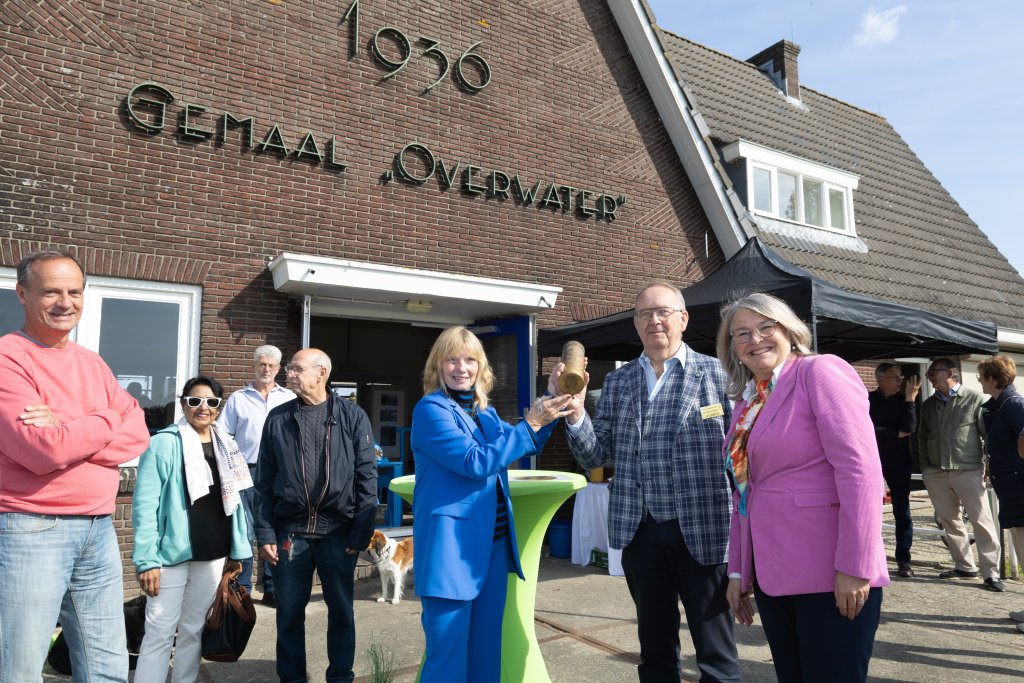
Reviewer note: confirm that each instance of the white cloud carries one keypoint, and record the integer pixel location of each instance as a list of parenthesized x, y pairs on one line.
[(878, 27)]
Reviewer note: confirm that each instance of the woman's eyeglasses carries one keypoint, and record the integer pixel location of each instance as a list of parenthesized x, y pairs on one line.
[(196, 401)]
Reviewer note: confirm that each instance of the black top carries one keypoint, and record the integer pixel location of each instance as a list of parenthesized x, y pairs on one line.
[(467, 401), (313, 442), (209, 529), (892, 415)]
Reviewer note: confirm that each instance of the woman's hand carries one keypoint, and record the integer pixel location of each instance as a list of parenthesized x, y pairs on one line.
[(544, 411), (149, 581), (232, 566), (851, 593), (739, 603)]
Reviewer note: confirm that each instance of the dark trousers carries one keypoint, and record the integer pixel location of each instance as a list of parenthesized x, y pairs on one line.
[(660, 572), (294, 573), (896, 469), (248, 501), (811, 641)]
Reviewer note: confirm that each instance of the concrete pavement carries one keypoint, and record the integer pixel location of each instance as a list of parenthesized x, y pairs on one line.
[(932, 630)]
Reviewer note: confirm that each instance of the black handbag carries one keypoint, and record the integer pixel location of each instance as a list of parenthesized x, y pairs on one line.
[(230, 621)]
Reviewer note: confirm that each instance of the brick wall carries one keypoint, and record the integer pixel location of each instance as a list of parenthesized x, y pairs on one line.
[(565, 105)]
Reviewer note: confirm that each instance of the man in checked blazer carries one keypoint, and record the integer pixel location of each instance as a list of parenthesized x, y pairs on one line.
[(660, 422)]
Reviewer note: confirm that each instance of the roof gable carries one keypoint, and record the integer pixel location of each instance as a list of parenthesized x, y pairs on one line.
[(922, 248)]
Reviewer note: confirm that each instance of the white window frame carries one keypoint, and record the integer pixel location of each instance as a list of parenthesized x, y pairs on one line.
[(772, 161), (188, 298)]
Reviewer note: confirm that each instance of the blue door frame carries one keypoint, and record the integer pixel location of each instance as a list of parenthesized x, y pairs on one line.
[(520, 326)]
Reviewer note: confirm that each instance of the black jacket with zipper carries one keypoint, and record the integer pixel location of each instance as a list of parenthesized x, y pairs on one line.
[(286, 499)]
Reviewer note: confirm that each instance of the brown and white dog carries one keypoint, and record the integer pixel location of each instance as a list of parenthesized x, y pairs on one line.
[(393, 560)]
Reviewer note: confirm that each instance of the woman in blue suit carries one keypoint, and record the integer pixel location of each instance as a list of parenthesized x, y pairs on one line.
[(462, 514)]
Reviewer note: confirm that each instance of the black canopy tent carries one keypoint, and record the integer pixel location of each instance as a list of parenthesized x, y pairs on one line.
[(849, 325)]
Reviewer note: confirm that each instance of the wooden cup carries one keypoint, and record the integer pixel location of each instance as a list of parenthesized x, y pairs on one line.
[(571, 381)]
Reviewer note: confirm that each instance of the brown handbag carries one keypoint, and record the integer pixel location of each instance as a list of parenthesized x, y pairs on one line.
[(230, 620)]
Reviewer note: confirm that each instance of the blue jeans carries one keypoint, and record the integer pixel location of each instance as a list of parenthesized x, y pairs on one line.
[(248, 501), (67, 568), (294, 573)]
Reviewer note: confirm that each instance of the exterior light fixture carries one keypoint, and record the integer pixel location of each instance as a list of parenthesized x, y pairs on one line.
[(418, 306)]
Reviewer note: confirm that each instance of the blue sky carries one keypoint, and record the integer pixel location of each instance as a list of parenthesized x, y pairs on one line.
[(945, 73)]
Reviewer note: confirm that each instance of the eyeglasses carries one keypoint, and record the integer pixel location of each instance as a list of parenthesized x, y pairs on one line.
[(763, 331), (196, 401), (293, 369), (938, 371), (664, 312)]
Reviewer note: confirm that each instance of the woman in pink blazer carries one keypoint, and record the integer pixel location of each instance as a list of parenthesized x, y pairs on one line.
[(805, 536)]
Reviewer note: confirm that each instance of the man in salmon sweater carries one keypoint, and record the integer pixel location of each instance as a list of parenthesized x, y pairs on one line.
[(65, 426)]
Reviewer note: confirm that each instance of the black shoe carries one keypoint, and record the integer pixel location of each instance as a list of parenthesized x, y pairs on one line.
[(269, 599), (904, 570), (995, 585), (958, 574)]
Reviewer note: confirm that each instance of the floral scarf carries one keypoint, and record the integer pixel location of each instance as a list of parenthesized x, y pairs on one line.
[(737, 463)]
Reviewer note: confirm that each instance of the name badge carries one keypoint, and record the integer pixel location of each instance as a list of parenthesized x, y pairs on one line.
[(708, 412)]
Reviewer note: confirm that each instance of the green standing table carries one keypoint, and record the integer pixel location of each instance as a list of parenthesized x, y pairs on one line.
[(536, 495)]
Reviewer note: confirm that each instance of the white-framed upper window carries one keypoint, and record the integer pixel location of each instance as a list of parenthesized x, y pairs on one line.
[(792, 189), (147, 332)]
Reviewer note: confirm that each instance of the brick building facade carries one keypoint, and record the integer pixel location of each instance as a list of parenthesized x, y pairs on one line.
[(505, 144)]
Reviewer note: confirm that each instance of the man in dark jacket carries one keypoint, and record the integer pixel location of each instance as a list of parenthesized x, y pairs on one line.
[(894, 414), (316, 497)]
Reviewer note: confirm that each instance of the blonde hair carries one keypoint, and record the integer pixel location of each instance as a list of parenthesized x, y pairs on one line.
[(453, 342), (771, 307)]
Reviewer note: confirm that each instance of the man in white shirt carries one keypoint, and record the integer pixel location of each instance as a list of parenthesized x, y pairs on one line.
[(243, 416)]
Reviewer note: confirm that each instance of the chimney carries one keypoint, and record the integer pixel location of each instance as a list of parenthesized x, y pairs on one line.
[(779, 62)]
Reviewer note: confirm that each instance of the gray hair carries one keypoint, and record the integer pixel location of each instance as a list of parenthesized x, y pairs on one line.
[(771, 307), (26, 264), (882, 369), (321, 358), (267, 351), (667, 285)]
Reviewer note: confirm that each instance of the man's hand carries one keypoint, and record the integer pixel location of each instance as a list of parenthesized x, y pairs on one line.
[(40, 416), (576, 406), (149, 582), (912, 387), (269, 553)]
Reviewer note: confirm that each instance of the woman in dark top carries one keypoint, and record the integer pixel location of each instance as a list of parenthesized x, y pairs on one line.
[(187, 515), (1004, 421)]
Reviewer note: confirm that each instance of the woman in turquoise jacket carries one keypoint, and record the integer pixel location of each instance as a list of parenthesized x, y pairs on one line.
[(188, 518), (462, 513)]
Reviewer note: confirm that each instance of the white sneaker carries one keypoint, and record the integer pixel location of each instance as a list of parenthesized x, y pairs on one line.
[(1017, 616)]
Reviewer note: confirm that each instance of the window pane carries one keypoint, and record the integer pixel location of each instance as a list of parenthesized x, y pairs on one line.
[(787, 196), (762, 190), (837, 209), (12, 314), (139, 341), (812, 203)]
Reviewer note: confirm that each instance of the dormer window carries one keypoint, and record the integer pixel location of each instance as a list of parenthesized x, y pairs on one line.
[(789, 188)]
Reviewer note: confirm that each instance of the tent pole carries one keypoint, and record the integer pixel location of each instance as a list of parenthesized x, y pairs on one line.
[(814, 333)]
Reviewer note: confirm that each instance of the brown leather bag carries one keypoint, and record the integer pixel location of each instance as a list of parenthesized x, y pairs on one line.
[(230, 621)]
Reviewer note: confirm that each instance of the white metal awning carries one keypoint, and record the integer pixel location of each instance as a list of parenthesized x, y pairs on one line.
[(357, 289)]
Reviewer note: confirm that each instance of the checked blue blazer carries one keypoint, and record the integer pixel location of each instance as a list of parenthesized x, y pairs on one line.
[(700, 495)]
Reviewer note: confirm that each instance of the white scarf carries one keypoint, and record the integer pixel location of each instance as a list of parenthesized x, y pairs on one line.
[(234, 472)]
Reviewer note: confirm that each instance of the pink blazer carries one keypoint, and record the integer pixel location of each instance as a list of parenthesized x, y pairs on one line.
[(815, 484)]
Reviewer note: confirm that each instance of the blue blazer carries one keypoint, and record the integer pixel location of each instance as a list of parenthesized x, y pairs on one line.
[(458, 467)]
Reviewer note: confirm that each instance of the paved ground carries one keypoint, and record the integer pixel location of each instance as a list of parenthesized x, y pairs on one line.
[(932, 630)]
